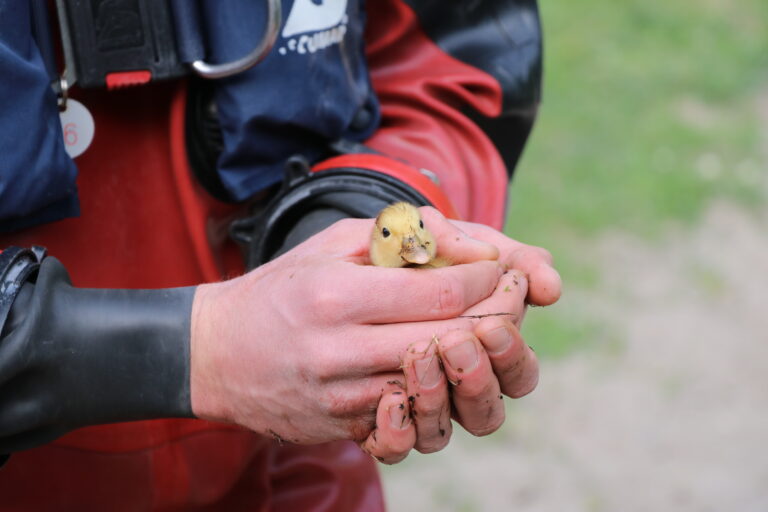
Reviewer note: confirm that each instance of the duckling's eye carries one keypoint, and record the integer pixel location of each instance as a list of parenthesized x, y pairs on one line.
[(385, 232), (421, 224)]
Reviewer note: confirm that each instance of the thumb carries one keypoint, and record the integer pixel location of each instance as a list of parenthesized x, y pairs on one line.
[(453, 244)]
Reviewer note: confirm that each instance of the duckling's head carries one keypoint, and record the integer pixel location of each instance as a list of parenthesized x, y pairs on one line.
[(400, 239)]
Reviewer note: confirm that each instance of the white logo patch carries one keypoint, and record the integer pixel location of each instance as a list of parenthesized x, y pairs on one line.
[(327, 22)]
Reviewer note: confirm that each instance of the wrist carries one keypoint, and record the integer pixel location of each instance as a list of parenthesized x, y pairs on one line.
[(207, 395)]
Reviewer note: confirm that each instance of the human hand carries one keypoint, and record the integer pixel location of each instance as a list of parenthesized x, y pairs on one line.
[(303, 347), (480, 361)]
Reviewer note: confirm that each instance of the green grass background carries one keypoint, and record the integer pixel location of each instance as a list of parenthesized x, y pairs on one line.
[(648, 114)]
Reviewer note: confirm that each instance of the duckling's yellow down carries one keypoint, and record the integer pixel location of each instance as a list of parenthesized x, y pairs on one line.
[(400, 239)]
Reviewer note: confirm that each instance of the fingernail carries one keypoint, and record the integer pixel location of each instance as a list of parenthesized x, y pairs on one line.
[(398, 416), (427, 371), (462, 357), (498, 340)]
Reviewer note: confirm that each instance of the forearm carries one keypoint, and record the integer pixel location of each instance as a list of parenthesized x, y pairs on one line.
[(74, 357)]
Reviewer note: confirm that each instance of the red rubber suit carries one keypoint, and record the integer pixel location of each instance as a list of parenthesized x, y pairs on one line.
[(145, 223)]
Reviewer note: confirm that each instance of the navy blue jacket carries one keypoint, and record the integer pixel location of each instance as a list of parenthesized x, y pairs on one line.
[(308, 91)]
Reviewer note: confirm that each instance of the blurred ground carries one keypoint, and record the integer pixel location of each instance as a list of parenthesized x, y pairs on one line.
[(647, 177), (667, 412)]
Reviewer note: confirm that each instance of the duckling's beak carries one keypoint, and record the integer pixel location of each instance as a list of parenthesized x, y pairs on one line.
[(414, 251)]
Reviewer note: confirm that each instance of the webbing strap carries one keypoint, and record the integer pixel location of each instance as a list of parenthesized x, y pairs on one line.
[(189, 30)]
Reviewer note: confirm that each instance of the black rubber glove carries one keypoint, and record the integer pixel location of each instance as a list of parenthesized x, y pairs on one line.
[(72, 357)]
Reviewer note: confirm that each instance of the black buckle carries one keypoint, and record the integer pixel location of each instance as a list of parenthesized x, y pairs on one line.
[(133, 42), (118, 44)]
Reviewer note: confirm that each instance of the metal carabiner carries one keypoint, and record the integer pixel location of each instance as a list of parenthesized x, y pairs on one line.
[(274, 18)]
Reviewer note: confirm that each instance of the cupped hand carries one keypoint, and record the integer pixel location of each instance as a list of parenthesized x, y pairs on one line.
[(482, 361), (304, 347)]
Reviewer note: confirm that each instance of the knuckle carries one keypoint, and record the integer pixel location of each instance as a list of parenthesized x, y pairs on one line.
[(511, 374), (341, 226), (485, 421), (543, 253), (432, 445), (359, 429), (429, 408), (514, 276), (526, 388), (432, 211), (398, 448), (327, 301), (325, 371), (474, 389), (488, 428), (427, 411), (449, 296), (514, 370), (522, 376), (339, 230), (328, 406), (515, 390)]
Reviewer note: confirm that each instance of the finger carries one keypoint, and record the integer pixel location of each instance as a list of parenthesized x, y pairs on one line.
[(545, 285), (385, 343), (453, 244), (513, 361), (385, 346), (507, 300), (475, 390), (395, 434), (355, 399), (428, 397), (365, 294)]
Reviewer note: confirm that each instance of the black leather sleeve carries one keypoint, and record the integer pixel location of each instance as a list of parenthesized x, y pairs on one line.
[(72, 357)]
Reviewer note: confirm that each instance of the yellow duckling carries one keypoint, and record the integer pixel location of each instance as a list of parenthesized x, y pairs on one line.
[(399, 239)]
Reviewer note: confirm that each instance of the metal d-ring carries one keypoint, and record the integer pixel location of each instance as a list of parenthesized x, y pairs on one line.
[(274, 18)]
